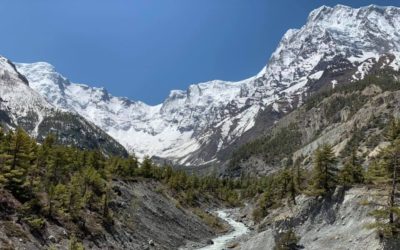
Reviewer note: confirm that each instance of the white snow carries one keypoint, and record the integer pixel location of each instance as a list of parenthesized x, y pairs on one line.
[(275, 107), (220, 110), (364, 56), (334, 82), (364, 68), (396, 62), (19, 99), (316, 75), (165, 130)]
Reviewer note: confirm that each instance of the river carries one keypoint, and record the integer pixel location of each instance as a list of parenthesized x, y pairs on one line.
[(220, 242)]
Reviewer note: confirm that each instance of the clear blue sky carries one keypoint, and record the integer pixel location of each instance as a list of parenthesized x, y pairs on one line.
[(144, 48)]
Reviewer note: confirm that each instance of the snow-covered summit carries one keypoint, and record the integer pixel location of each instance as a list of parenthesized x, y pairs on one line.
[(336, 45), (22, 106), (18, 100)]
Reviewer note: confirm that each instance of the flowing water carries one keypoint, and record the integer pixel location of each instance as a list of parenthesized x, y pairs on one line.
[(220, 242)]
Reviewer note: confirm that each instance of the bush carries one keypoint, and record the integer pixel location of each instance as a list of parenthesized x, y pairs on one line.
[(74, 244), (35, 223)]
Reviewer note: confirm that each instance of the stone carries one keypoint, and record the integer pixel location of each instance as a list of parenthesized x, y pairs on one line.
[(232, 245), (52, 238)]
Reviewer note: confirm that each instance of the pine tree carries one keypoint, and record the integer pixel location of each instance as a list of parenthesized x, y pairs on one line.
[(96, 160), (376, 174), (75, 199), (5, 140), (61, 197), (298, 174), (352, 172), (106, 213), (292, 188), (43, 153), (56, 172), (33, 171), (16, 161), (388, 217), (324, 178), (146, 167), (392, 158), (284, 179), (132, 165), (123, 167), (93, 187), (287, 185)]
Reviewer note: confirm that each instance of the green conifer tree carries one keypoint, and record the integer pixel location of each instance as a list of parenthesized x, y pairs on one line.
[(324, 177), (352, 171), (16, 161), (146, 167), (388, 217)]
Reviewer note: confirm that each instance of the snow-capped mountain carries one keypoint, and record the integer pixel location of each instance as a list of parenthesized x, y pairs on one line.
[(15, 94), (22, 106), (173, 130), (336, 45)]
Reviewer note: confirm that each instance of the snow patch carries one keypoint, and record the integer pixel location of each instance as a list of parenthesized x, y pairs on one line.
[(334, 82), (316, 75)]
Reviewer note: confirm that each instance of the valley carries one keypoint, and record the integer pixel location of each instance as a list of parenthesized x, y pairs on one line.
[(303, 155)]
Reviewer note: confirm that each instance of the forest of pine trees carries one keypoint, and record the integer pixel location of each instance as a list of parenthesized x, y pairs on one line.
[(63, 183)]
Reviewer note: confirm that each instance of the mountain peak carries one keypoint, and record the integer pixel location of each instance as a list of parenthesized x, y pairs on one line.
[(191, 126), (42, 67), (342, 12), (9, 71), (314, 14)]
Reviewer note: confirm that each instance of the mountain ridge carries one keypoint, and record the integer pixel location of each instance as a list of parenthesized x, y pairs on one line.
[(190, 127), (21, 106)]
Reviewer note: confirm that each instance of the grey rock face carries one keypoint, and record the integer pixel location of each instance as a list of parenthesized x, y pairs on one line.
[(339, 223)]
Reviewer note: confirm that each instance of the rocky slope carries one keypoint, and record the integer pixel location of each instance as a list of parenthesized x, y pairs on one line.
[(350, 116), (339, 223), (143, 219), (21, 106), (207, 121)]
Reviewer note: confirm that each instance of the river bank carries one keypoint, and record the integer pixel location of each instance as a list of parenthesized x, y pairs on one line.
[(237, 229)]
